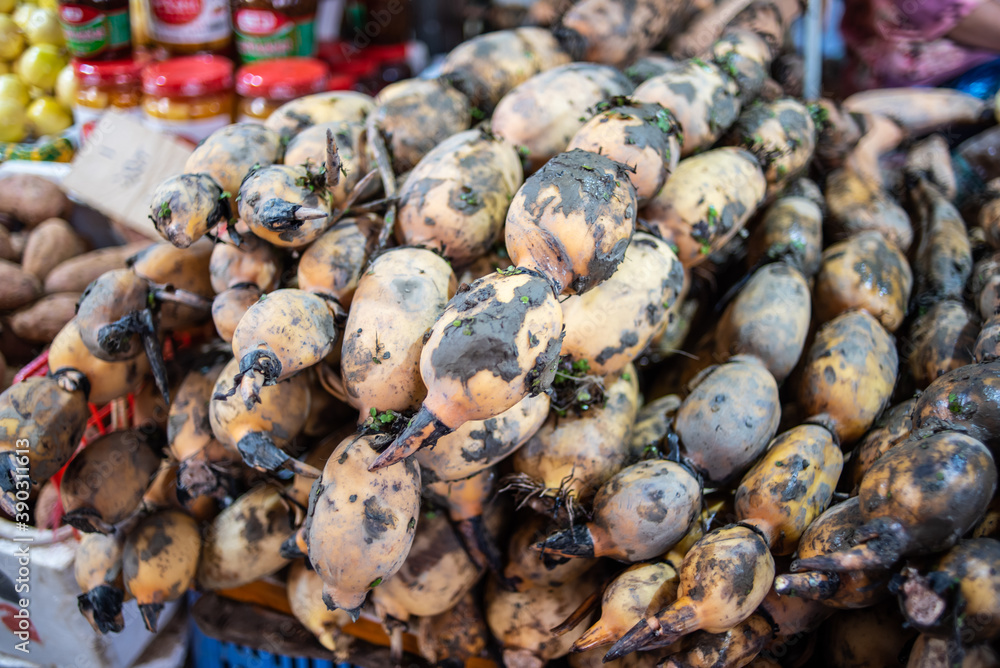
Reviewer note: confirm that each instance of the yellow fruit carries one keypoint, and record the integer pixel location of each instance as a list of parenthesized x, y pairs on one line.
[(12, 120), (11, 38), (51, 5), (7, 6), (40, 65), (12, 88), (66, 87), (48, 117), (43, 27), (21, 14), (4, 66)]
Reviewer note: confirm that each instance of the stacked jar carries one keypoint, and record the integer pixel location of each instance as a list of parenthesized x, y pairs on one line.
[(190, 97), (264, 86)]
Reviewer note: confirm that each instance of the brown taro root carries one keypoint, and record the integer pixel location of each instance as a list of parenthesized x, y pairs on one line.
[(723, 579), (41, 423), (728, 419), (108, 380), (943, 338), (706, 202), (572, 221), (918, 498), (522, 620), (984, 285), (293, 117), (610, 325), (571, 456), (962, 400), (769, 320), (479, 444), (495, 344), (456, 198), (791, 229), (541, 115), (640, 590), (416, 115), (361, 523), (400, 296), (332, 264), (615, 32), (104, 484), (186, 207), (487, 67), (19, 287), (97, 566), (958, 595), (849, 374), (931, 158), (76, 273), (436, 574), (868, 638), (790, 486), (639, 513), (891, 429), (284, 205), (51, 243), (42, 321), (643, 136), (701, 95), (30, 199), (459, 634), (783, 136), (259, 430), (864, 272), (987, 348), (285, 332), (833, 531), (943, 260)]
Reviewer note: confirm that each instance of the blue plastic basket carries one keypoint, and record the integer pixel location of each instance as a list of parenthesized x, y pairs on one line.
[(207, 652)]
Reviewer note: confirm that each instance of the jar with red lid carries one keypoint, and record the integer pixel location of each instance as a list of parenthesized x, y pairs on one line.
[(96, 29), (104, 85), (190, 97), (190, 26), (269, 29), (266, 85)]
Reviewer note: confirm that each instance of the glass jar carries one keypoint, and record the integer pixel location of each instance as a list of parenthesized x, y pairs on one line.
[(190, 97), (190, 26), (96, 29), (266, 29), (103, 85), (265, 86)]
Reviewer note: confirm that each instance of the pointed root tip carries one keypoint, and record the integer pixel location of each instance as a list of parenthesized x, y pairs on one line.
[(593, 638), (290, 549), (151, 615), (630, 642), (310, 213)]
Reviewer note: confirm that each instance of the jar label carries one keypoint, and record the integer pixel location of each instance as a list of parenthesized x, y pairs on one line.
[(90, 32), (262, 34), (189, 21)]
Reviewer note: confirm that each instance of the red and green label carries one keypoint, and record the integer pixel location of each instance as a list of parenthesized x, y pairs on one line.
[(90, 32), (262, 34)]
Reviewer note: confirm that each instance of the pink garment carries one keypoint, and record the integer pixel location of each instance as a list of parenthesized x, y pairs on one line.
[(902, 42)]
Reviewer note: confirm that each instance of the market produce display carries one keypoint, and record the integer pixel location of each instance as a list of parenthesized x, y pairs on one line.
[(577, 353)]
